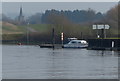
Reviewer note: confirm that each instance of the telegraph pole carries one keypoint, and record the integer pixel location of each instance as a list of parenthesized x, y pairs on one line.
[(27, 34), (53, 38)]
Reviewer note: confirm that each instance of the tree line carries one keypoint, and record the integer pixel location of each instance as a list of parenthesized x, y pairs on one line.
[(74, 23), (76, 16)]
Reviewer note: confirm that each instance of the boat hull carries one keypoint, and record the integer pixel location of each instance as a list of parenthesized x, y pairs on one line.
[(74, 47)]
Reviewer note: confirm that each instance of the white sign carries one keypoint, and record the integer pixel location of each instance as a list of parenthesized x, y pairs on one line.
[(101, 26), (107, 26), (94, 27)]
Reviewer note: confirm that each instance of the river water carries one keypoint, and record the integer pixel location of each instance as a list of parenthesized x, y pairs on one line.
[(33, 62)]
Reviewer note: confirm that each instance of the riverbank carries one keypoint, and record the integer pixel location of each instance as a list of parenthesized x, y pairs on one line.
[(93, 44)]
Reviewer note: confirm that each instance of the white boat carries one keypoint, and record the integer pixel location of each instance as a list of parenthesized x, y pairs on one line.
[(76, 44)]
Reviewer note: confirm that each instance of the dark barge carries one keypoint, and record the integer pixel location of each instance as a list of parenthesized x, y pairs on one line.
[(104, 44)]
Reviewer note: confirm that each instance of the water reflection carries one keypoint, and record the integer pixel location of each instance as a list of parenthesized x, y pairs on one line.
[(58, 66)]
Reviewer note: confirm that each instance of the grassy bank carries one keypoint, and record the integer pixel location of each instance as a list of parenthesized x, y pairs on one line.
[(44, 31)]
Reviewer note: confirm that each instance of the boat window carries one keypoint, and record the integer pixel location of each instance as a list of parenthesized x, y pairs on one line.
[(73, 42), (79, 42)]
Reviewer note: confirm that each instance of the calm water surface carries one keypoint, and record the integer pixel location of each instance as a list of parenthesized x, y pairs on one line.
[(33, 62)]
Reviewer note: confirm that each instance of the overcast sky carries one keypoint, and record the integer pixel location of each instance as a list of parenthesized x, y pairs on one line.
[(40, 7)]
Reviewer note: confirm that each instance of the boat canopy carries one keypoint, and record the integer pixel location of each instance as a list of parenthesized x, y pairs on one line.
[(78, 41), (69, 39)]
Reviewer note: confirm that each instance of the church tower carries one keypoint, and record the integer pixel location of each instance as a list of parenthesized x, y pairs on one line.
[(21, 17), (20, 11)]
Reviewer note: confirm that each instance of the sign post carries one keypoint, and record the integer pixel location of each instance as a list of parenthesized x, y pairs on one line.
[(103, 28)]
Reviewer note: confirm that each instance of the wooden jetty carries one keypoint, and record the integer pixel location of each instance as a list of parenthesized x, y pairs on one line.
[(57, 46)]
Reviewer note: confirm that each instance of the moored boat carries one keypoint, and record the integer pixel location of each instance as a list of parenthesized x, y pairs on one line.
[(76, 44)]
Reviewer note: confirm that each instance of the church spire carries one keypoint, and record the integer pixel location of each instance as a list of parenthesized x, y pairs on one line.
[(21, 11), (21, 17)]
